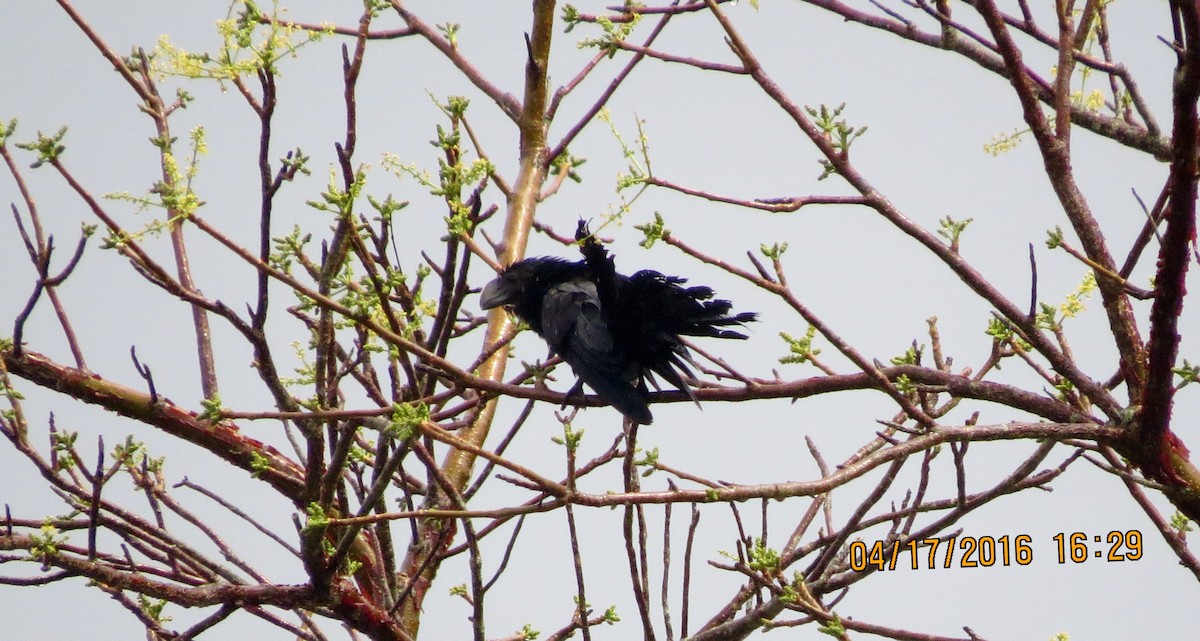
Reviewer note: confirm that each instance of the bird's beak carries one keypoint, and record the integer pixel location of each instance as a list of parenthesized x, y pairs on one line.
[(495, 294)]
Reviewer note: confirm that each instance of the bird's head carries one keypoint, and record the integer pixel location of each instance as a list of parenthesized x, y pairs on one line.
[(497, 293), (525, 282)]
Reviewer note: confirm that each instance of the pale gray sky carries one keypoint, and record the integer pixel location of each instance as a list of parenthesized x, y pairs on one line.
[(929, 115)]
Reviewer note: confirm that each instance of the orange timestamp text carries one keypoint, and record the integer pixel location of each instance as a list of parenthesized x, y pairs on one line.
[(989, 551)]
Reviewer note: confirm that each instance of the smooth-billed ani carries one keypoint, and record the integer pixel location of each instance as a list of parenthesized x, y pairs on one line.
[(615, 331)]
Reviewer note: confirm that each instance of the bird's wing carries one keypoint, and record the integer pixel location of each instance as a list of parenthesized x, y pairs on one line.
[(573, 325), (572, 310), (656, 310)]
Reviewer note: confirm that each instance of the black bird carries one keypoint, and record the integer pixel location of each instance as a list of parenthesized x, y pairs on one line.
[(615, 331)]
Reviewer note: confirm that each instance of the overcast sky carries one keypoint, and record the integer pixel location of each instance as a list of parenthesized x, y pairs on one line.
[(929, 116)]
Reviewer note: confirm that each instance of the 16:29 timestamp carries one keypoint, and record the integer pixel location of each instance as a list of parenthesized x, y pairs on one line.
[(1122, 546)]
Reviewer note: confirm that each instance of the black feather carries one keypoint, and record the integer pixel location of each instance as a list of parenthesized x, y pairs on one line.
[(615, 331)]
